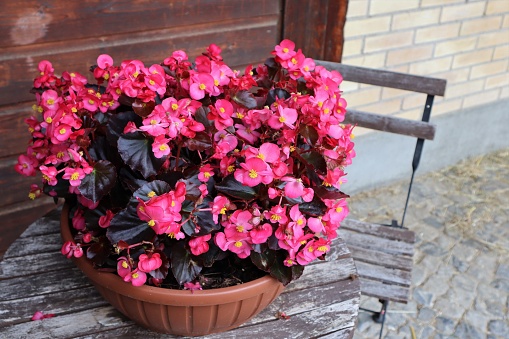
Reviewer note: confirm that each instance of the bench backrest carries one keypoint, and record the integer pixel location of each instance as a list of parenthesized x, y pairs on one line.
[(422, 130)]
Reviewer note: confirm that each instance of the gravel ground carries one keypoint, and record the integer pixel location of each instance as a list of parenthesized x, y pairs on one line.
[(460, 285)]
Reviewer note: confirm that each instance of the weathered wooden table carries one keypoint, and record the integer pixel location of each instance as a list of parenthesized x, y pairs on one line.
[(34, 276)]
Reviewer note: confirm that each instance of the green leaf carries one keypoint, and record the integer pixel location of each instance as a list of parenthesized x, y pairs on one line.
[(245, 99), (99, 182), (183, 266), (309, 133), (315, 159), (230, 186), (136, 151)]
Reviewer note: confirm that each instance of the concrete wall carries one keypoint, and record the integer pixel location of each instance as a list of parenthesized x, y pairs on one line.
[(463, 41)]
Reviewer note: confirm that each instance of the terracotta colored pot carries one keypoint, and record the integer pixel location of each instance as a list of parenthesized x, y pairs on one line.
[(179, 312)]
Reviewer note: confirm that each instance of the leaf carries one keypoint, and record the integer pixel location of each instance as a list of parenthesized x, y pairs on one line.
[(263, 260), (315, 207), (201, 116), (98, 252), (230, 186), (284, 273), (117, 123), (331, 193), (193, 192), (143, 109), (159, 187), (212, 255), (204, 219), (136, 151), (276, 93), (200, 142), (245, 99), (309, 133), (61, 188), (183, 266), (99, 182), (315, 159)]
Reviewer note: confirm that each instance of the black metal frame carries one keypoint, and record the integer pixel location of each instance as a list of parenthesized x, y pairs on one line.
[(379, 316)]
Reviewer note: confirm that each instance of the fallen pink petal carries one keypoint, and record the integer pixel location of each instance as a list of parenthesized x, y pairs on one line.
[(39, 316)]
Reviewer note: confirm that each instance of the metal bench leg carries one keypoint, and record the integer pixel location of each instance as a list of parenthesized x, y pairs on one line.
[(379, 317)]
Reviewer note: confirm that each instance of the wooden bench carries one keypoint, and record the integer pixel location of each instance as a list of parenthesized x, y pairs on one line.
[(383, 254)]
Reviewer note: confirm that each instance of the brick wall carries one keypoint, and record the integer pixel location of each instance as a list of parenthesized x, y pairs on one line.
[(463, 41)]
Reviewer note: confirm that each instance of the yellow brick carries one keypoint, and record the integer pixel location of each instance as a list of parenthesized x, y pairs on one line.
[(501, 52), (455, 46), (413, 114), (446, 106), (362, 97), (497, 6), (481, 98), (506, 22), (491, 68), (383, 107), (363, 27), (399, 69), (464, 89), (472, 58), (501, 80), (347, 86), (464, 11), (414, 101), (454, 77), (493, 38), (388, 41), (352, 47), (386, 6), (357, 8), (389, 93), (431, 66), (414, 53), (481, 25), (376, 60), (435, 33), (504, 93), (415, 19), (428, 3)]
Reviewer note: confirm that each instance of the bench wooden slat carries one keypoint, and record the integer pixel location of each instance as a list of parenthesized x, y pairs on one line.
[(379, 290), (383, 274), (387, 123), (386, 232), (383, 259), (375, 243), (389, 79)]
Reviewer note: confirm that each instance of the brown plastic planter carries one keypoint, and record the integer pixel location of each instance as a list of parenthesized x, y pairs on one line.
[(179, 312)]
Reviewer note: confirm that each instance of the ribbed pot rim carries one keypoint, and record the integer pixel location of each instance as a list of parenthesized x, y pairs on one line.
[(165, 296)]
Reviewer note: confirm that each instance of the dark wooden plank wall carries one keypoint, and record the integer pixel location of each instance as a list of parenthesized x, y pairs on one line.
[(72, 34)]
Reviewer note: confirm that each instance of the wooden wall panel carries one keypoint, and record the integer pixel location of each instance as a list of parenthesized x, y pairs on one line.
[(71, 34)]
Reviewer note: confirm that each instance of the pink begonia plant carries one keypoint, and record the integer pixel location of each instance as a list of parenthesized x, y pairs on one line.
[(183, 170)]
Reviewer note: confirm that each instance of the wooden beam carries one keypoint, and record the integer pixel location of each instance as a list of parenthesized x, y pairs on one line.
[(386, 123), (407, 82)]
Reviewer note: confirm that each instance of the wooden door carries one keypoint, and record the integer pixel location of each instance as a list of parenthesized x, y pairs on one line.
[(71, 34)]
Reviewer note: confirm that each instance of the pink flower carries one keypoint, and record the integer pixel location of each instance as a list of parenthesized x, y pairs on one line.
[(219, 206), (233, 241), (104, 61), (123, 267), (284, 117), (199, 245), (294, 188), (49, 174), (105, 220), (74, 175), (150, 262), (26, 165), (160, 147), (202, 84), (161, 213), (78, 220), (192, 286), (277, 214), (39, 316), (253, 172), (70, 249), (136, 277), (260, 233), (205, 173), (285, 50)]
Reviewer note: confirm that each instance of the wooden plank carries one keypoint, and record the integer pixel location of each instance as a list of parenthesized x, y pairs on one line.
[(380, 258), (379, 290), (33, 245), (58, 303), (376, 243), (387, 123), (383, 231), (26, 22), (407, 82), (383, 274), (257, 42), (11, 181), (31, 264), (47, 224)]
